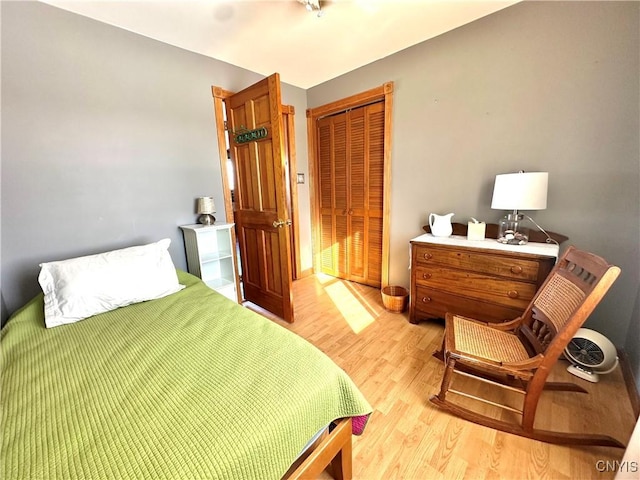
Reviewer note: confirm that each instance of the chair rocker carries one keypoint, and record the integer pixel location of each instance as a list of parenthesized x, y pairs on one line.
[(518, 355)]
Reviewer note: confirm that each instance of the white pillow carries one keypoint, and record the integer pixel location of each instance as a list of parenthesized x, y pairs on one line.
[(80, 287)]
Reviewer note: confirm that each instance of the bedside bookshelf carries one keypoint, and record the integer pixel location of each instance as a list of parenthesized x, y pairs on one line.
[(211, 256)]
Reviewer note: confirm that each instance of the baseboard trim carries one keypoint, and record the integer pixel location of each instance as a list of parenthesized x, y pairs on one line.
[(305, 273), (630, 382)]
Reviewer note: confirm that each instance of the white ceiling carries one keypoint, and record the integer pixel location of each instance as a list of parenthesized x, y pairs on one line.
[(282, 36)]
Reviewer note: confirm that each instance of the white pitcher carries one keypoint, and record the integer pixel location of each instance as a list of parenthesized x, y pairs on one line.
[(440, 225)]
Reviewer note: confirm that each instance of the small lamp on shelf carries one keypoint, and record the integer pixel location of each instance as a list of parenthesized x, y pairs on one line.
[(518, 191), (205, 208)]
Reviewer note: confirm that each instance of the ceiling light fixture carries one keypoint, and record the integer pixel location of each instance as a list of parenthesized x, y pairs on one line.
[(312, 6)]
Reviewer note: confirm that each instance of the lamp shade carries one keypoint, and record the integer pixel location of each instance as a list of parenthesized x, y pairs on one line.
[(205, 205), (520, 191)]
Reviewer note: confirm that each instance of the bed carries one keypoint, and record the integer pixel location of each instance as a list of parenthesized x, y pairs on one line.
[(190, 385)]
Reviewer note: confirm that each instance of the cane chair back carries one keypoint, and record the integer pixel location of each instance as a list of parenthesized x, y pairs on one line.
[(564, 302)]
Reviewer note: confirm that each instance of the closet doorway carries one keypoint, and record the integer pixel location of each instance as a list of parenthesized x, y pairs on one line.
[(349, 149)]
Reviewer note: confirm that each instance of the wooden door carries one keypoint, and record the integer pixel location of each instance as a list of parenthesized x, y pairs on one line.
[(351, 188), (254, 118), (333, 195), (220, 96), (374, 191)]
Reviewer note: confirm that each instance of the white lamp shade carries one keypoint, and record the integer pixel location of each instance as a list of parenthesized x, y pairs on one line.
[(205, 205), (520, 191)]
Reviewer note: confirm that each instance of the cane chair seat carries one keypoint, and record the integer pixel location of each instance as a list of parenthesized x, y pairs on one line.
[(518, 355), (474, 339)]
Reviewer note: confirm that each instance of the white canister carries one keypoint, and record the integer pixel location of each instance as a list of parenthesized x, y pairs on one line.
[(476, 231)]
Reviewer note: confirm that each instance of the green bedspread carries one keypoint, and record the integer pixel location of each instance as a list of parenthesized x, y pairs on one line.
[(190, 386)]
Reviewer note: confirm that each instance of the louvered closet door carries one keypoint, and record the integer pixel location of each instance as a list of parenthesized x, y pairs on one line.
[(357, 211), (351, 173), (333, 194), (375, 191)]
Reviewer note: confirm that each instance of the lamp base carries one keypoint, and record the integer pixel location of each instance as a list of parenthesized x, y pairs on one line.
[(511, 230), (206, 219)]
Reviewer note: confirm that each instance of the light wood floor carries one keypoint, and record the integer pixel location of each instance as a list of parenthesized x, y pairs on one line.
[(407, 436)]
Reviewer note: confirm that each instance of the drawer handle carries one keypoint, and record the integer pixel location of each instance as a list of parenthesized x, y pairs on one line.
[(516, 269), (513, 294), (427, 256), (426, 275), (426, 299)]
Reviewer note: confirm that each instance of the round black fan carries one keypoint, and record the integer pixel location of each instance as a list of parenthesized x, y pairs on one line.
[(591, 353)]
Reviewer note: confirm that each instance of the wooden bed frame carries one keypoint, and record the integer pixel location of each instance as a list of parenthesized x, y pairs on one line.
[(331, 449)]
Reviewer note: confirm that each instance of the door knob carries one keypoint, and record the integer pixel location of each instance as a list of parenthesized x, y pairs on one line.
[(281, 223)]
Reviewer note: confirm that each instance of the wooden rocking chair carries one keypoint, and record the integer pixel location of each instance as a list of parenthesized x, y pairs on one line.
[(518, 355)]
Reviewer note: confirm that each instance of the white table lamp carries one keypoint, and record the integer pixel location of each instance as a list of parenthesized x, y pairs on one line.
[(518, 191)]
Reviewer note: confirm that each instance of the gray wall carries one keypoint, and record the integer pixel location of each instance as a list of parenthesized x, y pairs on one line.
[(549, 86), (107, 139), (109, 136), (633, 339)]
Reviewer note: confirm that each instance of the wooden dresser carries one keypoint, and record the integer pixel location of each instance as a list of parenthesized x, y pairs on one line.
[(481, 279)]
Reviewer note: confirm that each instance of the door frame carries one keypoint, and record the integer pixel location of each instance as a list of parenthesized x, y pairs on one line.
[(381, 93), (219, 96), (288, 117)]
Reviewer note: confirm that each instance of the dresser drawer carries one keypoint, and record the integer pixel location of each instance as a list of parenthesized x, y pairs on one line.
[(476, 285), (489, 263), (484, 280), (431, 303)]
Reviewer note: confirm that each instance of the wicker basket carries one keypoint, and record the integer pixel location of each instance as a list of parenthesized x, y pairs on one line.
[(395, 298)]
